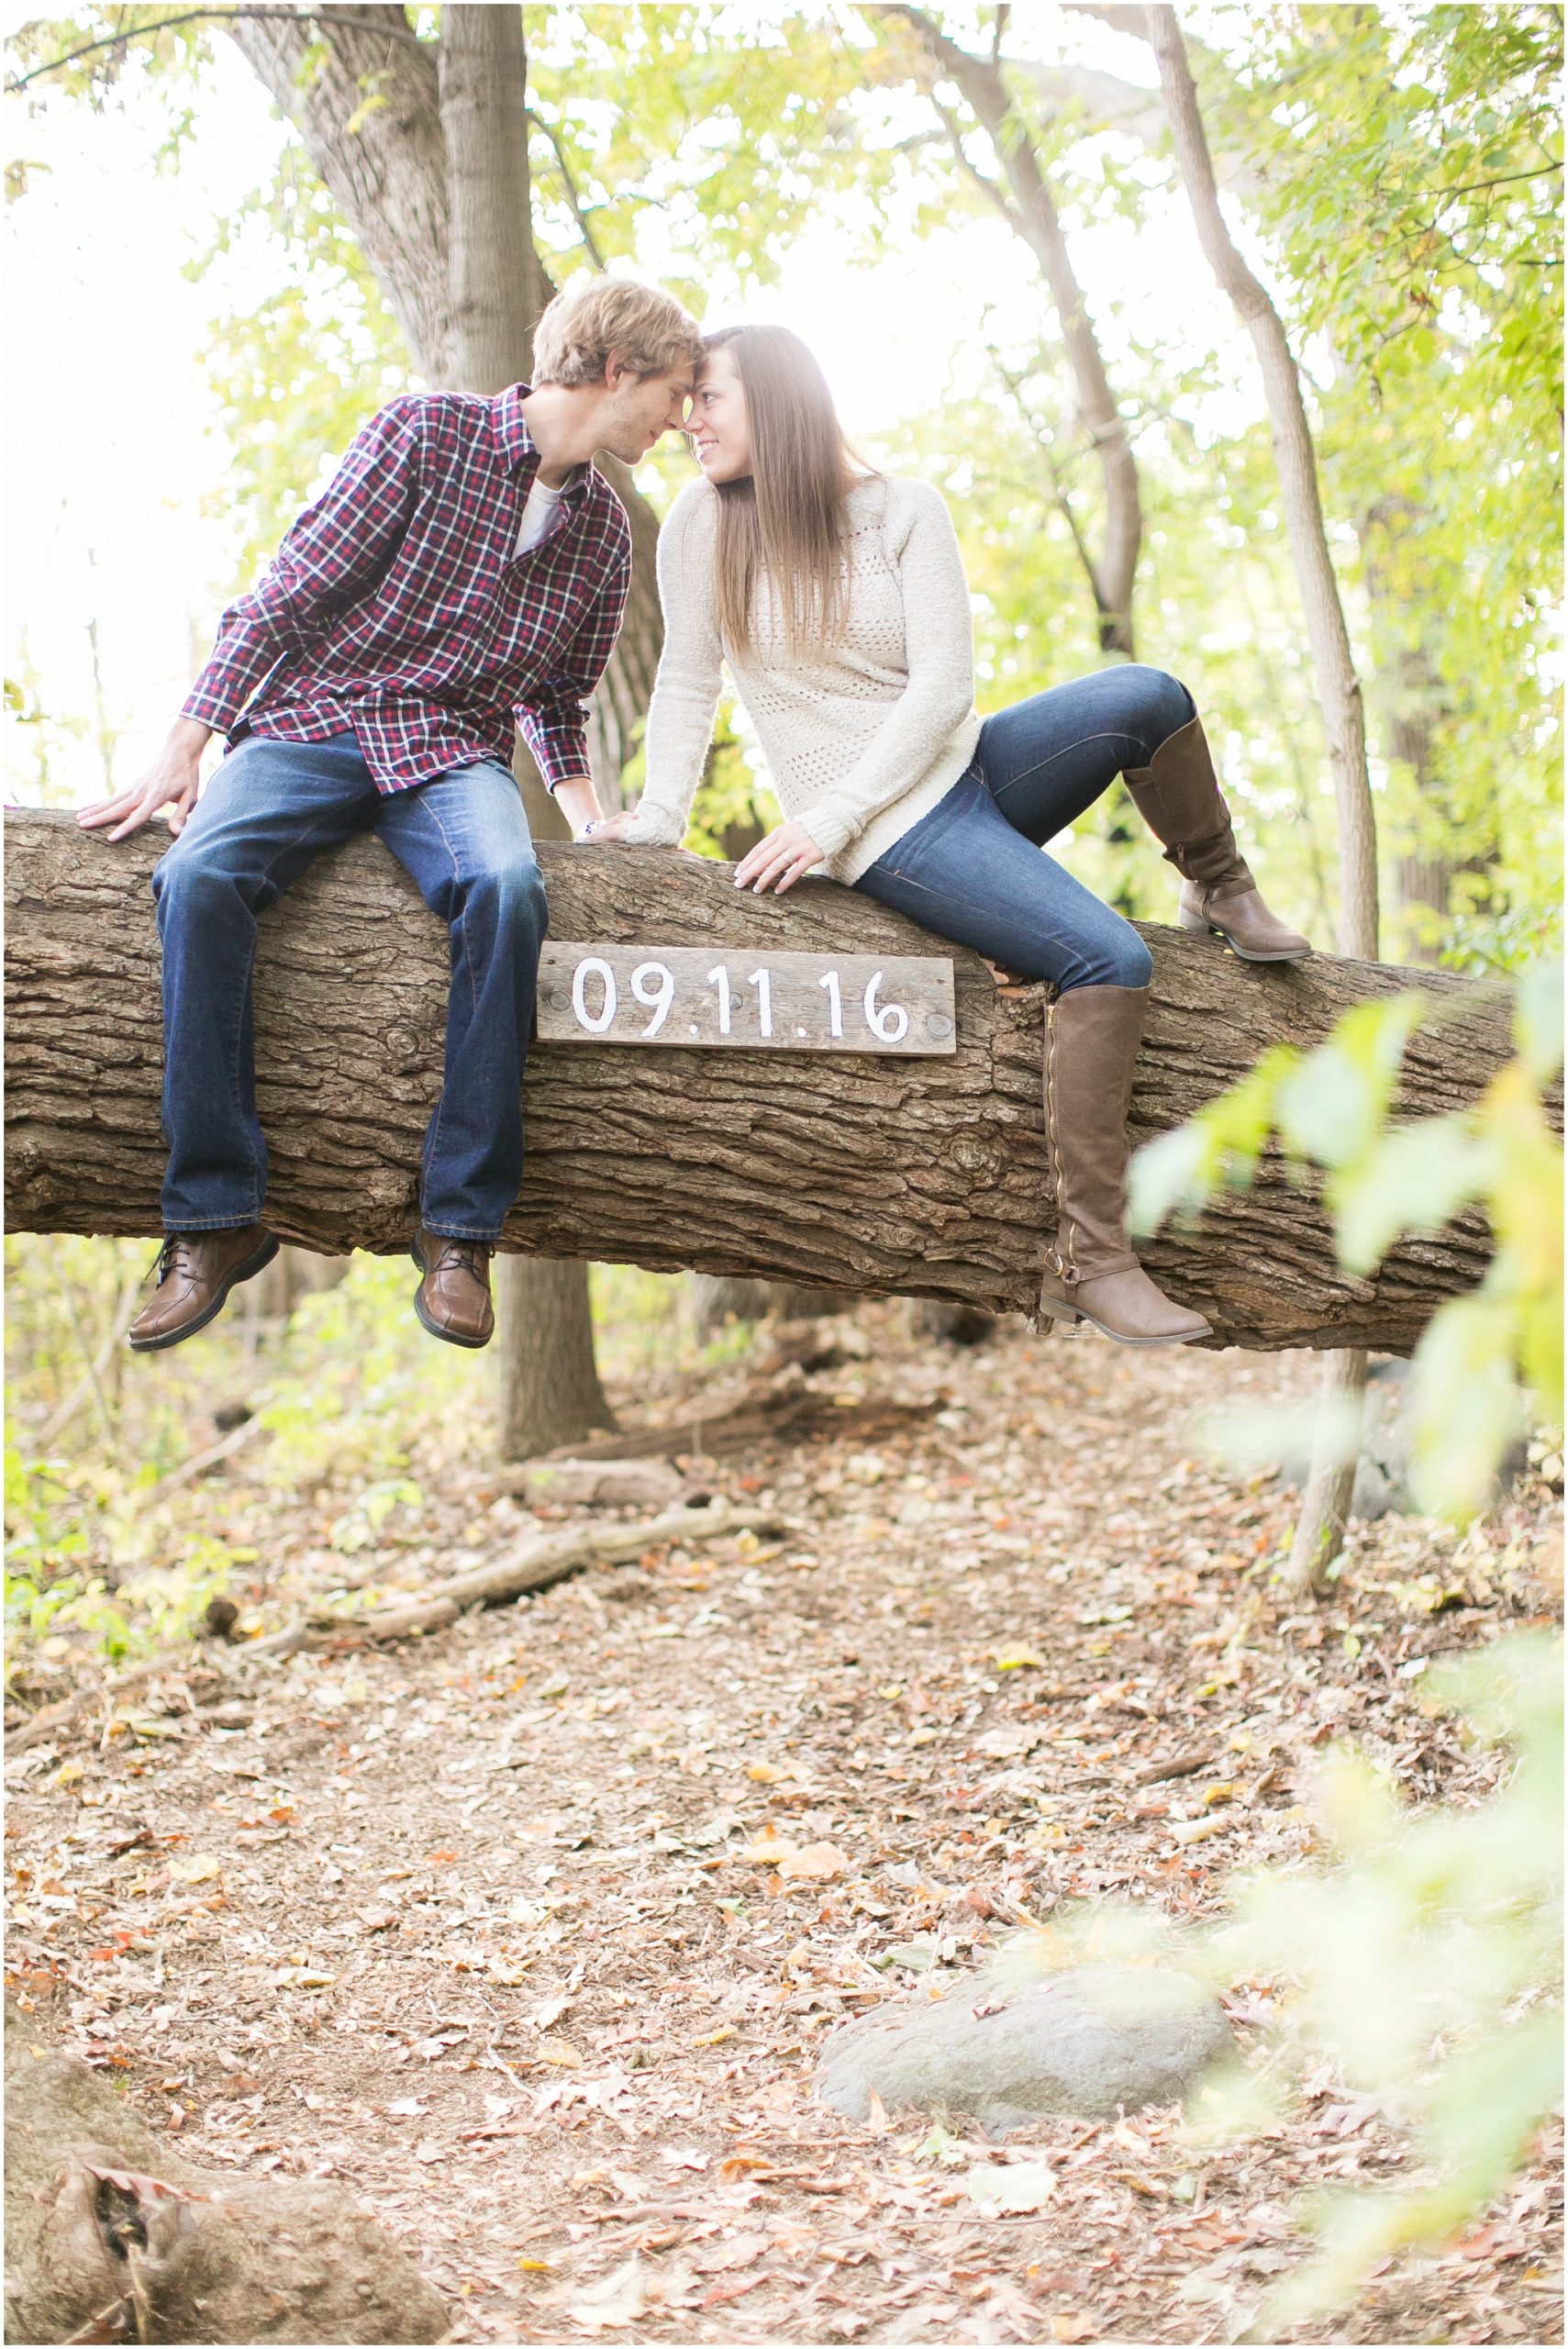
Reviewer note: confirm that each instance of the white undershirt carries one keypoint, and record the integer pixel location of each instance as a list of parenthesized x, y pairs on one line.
[(539, 515)]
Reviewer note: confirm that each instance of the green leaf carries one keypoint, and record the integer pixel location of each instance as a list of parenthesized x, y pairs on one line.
[(1331, 1107), (1466, 1405), (1537, 1020), (1414, 1179)]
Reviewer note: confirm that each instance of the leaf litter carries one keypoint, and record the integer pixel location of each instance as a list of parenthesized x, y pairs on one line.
[(698, 1812)]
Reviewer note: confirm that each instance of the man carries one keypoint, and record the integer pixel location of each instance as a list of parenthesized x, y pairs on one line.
[(466, 571)]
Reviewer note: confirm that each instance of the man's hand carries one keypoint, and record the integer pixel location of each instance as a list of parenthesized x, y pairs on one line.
[(172, 781), (778, 861)]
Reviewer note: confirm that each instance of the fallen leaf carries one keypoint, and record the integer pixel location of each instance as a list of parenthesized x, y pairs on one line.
[(1067, 2324), (769, 1848), (427, 2150), (765, 1773), (816, 1863), (715, 2038), (559, 2051), (1018, 1659), (200, 1869), (1019, 2187), (616, 2300)]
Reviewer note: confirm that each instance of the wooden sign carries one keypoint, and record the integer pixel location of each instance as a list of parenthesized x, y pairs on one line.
[(705, 997)]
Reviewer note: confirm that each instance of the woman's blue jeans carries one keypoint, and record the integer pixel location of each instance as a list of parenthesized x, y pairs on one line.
[(974, 869), (270, 809)]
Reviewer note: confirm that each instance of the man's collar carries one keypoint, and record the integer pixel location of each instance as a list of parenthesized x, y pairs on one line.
[(517, 444)]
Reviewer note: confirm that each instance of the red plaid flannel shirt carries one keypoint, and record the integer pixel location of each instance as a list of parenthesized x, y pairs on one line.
[(397, 608)]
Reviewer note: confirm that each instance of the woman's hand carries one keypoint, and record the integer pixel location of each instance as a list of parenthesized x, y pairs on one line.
[(608, 828), (778, 861)]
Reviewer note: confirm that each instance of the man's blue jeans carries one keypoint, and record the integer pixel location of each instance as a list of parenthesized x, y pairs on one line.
[(974, 869), (271, 808)]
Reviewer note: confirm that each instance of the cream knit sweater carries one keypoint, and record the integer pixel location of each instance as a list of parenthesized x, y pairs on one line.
[(867, 736)]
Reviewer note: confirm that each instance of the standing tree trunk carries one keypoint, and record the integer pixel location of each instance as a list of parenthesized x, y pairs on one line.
[(1026, 203), (1319, 1532), (1338, 684), (549, 1390), (1411, 699), (432, 177), (483, 92)]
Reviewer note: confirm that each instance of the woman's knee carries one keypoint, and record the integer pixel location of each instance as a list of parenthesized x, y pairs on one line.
[(1117, 958), (1158, 705)]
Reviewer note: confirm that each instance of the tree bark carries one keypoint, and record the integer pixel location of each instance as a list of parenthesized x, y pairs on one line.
[(368, 103), (483, 84), (1320, 1535), (1338, 684), (1029, 210), (1326, 1502), (923, 1177), (111, 2235), (1411, 700), (365, 100), (548, 1390)]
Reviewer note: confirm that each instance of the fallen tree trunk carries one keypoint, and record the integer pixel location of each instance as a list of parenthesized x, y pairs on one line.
[(922, 1177), (111, 2237)]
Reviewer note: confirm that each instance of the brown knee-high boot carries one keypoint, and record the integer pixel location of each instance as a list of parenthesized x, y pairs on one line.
[(1091, 1044), (1178, 796)]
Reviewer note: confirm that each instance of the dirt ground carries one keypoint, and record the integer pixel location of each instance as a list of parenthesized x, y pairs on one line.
[(478, 1927)]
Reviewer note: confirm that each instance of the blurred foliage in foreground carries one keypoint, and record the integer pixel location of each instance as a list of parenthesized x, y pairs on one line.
[(1419, 1963), (1426, 1959), (1487, 1359)]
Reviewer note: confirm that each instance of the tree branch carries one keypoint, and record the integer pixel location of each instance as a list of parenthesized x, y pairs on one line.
[(14, 81), (954, 129), (580, 217)]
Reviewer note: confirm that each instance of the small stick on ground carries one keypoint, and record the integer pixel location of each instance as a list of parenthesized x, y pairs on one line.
[(532, 1565)]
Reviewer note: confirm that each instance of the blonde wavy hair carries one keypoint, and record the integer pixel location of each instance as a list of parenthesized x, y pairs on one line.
[(581, 327)]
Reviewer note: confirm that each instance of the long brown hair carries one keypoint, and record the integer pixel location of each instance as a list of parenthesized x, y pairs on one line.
[(787, 517)]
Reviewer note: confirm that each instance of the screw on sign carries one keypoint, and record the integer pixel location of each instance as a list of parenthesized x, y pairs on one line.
[(602, 994)]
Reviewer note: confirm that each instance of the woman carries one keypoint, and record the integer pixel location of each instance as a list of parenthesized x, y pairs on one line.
[(838, 597)]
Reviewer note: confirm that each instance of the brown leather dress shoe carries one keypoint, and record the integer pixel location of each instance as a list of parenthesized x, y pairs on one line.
[(192, 1275), (453, 1301)]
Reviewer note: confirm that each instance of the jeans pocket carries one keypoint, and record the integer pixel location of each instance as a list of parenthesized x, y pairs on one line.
[(904, 861)]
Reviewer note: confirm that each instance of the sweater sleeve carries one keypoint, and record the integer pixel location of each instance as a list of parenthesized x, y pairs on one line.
[(685, 691), (939, 636)]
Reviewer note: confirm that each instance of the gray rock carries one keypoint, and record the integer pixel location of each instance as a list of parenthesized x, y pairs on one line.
[(1383, 1465), (1090, 2042)]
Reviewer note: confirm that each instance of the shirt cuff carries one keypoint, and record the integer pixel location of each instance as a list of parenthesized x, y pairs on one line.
[(560, 752), (654, 826), (214, 703)]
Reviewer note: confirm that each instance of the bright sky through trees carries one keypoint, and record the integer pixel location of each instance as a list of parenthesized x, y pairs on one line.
[(116, 491)]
